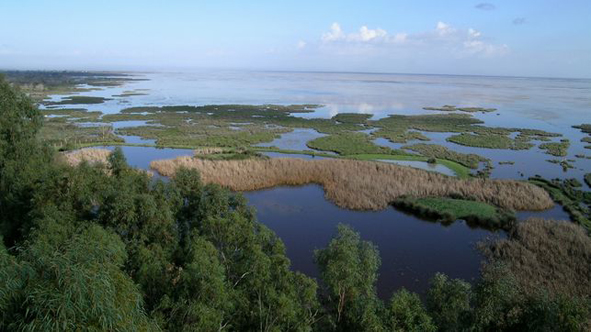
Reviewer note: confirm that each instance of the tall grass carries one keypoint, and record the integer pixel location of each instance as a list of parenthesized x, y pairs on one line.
[(359, 185), (92, 156), (546, 254)]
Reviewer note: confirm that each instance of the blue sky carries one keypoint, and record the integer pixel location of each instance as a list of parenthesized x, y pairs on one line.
[(517, 38)]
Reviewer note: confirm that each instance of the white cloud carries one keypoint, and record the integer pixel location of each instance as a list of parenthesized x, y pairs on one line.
[(301, 44), (365, 34), (444, 29), (336, 33), (480, 47), (473, 33), (444, 38)]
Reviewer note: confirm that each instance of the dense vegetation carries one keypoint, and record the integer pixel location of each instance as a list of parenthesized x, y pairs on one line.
[(576, 202), (40, 84), (448, 210), (98, 247)]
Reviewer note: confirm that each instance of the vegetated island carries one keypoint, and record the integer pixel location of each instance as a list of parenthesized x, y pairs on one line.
[(452, 108), (357, 184)]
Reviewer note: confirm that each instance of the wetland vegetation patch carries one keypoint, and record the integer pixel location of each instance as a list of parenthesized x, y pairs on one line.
[(558, 149), (451, 108), (73, 100), (576, 202), (490, 141), (358, 185), (546, 254), (441, 152), (447, 210)]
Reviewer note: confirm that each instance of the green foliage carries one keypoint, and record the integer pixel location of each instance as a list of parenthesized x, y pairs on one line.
[(448, 302), (400, 137), (72, 100), (448, 210), (558, 149), (72, 281), (490, 141), (23, 162), (405, 312), (441, 152), (350, 144), (349, 270), (576, 202), (498, 300), (356, 118), (585, 127)]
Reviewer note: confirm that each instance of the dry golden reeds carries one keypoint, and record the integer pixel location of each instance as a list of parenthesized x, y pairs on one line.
[(92, 156), (359, 185), (546, 254)]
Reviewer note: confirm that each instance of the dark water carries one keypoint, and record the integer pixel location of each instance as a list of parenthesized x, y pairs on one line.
[(412, 250)]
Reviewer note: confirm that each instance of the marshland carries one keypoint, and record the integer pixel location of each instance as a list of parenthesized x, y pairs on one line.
[(345, 158), (467, 177)]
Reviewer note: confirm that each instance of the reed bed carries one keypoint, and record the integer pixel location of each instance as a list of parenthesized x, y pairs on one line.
[(358, 185), (92, 156), (546, 254)]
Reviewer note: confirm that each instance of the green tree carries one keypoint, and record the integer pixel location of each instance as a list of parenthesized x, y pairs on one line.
[(349, 270), (23, 161), (448, 302), (498, 300), (407, 313), (65, 281), (117, 162)]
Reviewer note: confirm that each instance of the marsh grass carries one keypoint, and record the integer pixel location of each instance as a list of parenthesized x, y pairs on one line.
[(91, 156), (441, 152), (447, 210), (72, 100), (358, 185), (558, 149), (490, 141), (350, 143), (576, 202), (546, 254)]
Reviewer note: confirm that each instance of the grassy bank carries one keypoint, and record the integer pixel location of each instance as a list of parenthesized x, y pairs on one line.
[(448, 210)]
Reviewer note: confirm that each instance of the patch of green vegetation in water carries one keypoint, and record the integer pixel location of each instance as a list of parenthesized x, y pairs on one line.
[(576, 202), (355, 118), (441, 152), (460, 170), (72, 100), (451, 108), (350, 144), (558, 149), (490, 141), (447, 210), (400, 137)]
